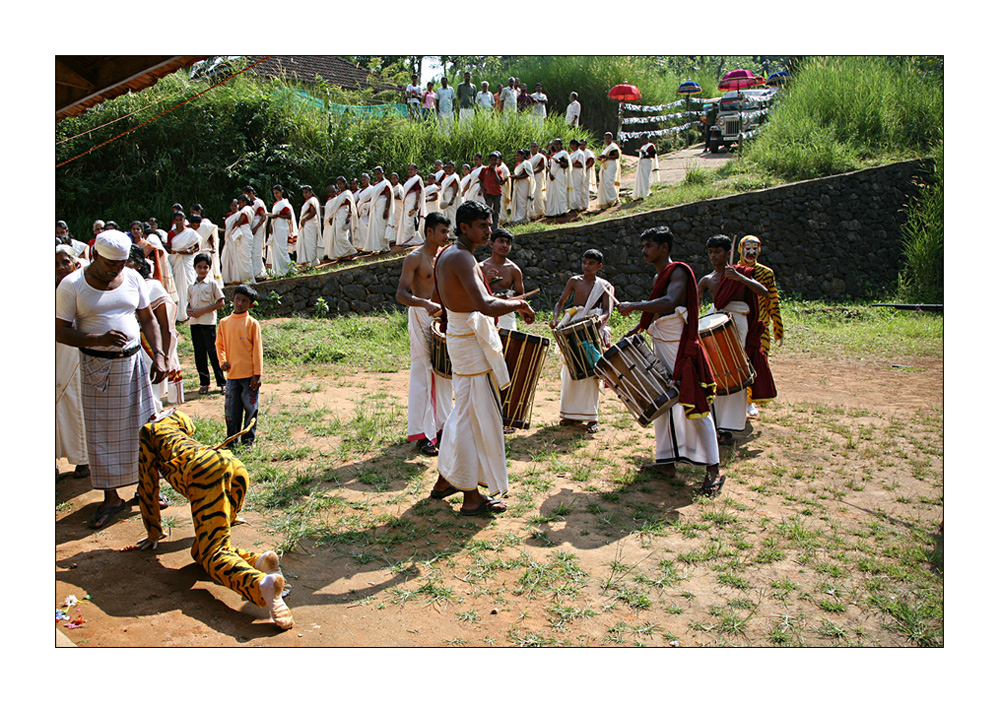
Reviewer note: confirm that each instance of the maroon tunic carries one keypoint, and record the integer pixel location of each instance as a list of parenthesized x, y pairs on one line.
[(763, 385), (692, 371)]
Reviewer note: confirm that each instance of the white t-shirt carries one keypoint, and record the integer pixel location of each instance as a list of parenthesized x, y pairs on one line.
[(485, 99), (96, 311)]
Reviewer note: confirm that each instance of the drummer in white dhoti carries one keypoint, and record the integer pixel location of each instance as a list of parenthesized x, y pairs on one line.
[(381, 217), (429, 397), (536, 208), (610, 159), (560, 176), (310, 237), (472, 444), (686, 433), (408, 232), (647, 171), (580, 399), (284, 231), (503, 276), (451, 192), (522, 181), (733, 290)]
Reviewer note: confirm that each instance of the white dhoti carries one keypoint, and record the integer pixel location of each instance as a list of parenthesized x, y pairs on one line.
[(309, 235), (607, 192), (679, 438), (508, 321), (536, 206), (578, 400), (731, 411), (278, 257), (408, 230), (429, 398), (643, 178), (472, 445), (182, 266), (71, 433)]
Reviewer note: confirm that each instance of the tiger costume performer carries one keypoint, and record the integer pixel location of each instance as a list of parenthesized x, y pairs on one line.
[(215, 483)]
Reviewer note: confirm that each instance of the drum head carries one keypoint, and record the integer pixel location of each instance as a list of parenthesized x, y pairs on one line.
[(712, 321)]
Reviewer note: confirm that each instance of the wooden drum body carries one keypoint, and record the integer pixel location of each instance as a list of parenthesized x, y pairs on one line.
[(730, 366), (581, 346), (525, 355), (641, 380), (440, 361)]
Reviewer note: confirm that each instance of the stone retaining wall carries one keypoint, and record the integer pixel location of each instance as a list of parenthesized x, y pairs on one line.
[(826, 238)]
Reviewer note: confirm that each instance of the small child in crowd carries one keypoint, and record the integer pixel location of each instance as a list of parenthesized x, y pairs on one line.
[(204, 298), (241, 356), (579, 399)]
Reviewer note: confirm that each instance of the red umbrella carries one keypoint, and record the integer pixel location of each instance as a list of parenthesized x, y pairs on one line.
[(622, 93), (625, 92)]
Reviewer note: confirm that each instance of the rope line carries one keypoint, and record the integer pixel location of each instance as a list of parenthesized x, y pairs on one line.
[(132, 130)]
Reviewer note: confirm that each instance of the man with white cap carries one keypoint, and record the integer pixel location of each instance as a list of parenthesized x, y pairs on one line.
[(100, 310)]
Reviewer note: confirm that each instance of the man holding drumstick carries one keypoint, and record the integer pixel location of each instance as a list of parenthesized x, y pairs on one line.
[(670, 315), (734, 290), (472, 444)]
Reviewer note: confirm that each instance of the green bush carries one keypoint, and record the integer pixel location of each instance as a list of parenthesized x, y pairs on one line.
[(922, 279)]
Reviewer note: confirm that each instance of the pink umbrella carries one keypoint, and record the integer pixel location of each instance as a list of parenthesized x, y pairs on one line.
[(737, 80)]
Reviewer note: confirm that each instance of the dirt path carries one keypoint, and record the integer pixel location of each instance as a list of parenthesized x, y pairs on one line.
[(343, 597), (675, 165)]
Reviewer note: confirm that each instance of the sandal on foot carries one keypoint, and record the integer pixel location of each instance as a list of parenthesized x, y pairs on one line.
[(203, 391), (446, 492), (81, 471), (592, 427), (102, 517), (426, 447), (566, 422), (712, 489), (725, 437), (489, 506)]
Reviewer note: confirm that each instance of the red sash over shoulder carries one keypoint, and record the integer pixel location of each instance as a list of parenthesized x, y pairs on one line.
[(691, 369), (763, 385)]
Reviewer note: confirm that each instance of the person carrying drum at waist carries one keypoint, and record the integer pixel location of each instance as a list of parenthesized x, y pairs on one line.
[(579, 400), (670, 315), (734, 290), (429, 396), (503, 275)]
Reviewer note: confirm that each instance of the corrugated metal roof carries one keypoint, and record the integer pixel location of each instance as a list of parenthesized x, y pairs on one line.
[(85, 81)]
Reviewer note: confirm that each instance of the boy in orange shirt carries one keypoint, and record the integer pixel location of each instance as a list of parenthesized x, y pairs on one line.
[(241, 356)]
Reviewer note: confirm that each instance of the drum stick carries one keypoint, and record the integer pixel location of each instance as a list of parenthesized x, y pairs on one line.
[(731, 250)]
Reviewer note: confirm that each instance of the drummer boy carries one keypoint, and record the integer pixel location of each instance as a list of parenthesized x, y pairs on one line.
[(591, 295)]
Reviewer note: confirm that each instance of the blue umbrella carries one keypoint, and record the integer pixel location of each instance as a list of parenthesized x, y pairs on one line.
[(688, 89), (778, 78)]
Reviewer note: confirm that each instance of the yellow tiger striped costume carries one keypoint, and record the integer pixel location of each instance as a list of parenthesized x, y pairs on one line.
[(215, 483), (770, 307)]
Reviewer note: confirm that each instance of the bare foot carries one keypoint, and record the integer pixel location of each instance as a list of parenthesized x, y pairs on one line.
[(271, 588)]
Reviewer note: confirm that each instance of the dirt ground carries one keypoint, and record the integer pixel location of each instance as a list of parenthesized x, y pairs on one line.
[(164, 599)]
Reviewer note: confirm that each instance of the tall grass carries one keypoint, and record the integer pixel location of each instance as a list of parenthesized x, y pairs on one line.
[(840, 113), (922, 279)]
